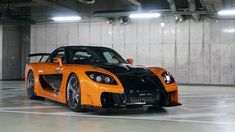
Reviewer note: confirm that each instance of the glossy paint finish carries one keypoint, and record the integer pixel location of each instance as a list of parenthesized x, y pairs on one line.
[(90, 90), (204, 109), (194, 52)]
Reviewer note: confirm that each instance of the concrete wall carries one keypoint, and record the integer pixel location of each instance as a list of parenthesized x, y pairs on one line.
[(195, 52)]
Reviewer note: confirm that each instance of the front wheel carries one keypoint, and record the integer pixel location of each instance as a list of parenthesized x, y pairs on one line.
[(30, 87), (73, 94)]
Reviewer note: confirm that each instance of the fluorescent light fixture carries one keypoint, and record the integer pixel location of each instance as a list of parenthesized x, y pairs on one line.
[(66, 18), (162, 24), (227, 12), (230, 30), (144, 15)]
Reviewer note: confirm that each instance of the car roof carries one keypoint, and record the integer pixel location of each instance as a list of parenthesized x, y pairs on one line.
[(81, 46)]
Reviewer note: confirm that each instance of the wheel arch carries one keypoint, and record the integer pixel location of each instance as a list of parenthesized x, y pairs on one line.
[(28, 69)]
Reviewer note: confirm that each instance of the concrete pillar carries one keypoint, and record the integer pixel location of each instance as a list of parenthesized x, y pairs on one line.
[(11, 53), (14, 48), (25, 47), (0, 52)]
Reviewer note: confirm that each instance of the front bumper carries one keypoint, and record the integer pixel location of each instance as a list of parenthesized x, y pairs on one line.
[(112, 100)]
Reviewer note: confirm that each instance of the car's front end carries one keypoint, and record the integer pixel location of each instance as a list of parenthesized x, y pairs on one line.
[(118, 86), (108, 81)]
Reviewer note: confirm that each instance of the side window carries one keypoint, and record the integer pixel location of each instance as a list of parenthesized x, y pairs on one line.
[(59, 53), (111, 58), (81, 56)]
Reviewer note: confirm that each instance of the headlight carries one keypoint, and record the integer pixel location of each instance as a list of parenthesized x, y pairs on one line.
[(101, 78), (168, 77)]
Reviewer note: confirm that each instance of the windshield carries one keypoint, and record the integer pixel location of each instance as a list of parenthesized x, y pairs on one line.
[(93, 55)]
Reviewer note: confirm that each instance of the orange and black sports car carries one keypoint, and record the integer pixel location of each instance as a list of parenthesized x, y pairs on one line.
[(97, 77)]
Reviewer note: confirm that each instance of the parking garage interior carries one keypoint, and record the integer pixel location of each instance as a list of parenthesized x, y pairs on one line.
[(193, 39)]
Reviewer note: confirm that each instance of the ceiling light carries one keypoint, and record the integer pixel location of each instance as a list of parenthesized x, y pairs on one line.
[(110, 20), (124, 20), (227, 12), (66, 18), (162, 24), (232, 30), (176, 18), (144, 15), (87, 1)]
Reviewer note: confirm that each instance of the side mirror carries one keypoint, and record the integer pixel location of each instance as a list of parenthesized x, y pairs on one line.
[(58, 60), (129, 61)]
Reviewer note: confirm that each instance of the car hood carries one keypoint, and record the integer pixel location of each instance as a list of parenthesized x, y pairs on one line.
[(136, 80), (125, 69)]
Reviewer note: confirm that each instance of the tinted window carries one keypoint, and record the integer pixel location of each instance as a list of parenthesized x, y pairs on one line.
[(82, 56), (89, 55), (58, 53), (110, 57)]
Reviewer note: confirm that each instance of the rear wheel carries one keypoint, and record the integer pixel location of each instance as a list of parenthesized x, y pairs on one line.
[(30, 87), (73, 94)]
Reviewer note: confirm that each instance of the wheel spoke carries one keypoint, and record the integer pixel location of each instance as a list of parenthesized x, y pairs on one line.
[(30, 85), (73, 92), (77, 99)]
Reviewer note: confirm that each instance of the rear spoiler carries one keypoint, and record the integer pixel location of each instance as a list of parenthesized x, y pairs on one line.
[(39, 54)]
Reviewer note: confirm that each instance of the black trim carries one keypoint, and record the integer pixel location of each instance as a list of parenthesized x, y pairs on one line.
[(140, 86), (39, 54), (54, 53), (102, 75), (112, 100), (51, 81)]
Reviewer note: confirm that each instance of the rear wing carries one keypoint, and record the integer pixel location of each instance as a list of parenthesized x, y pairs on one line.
[(39, 54)]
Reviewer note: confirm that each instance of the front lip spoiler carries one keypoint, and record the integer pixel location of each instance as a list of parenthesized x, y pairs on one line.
[(136, 103), (112, 100), (173, 104)]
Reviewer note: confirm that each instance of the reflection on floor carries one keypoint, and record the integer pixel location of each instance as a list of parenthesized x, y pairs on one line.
[(204, 109)]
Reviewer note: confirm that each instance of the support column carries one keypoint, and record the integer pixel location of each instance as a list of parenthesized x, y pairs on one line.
[(1, 45)]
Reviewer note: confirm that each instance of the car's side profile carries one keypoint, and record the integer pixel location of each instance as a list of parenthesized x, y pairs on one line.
[(98, 77)]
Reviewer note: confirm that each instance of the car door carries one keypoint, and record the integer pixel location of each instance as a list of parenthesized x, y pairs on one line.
[(51, 73)]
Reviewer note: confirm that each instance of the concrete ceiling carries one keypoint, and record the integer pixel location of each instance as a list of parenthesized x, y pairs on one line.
[(30, 11)]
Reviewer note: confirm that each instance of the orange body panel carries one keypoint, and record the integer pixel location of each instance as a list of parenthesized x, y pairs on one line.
[(172, 88), (90, 91)]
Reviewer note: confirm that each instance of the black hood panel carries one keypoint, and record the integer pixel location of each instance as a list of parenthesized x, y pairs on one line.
[(137, 81), (134, 77), (119, 69)]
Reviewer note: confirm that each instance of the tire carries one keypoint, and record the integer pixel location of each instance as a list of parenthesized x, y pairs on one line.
[(73, 94), (30, 87)]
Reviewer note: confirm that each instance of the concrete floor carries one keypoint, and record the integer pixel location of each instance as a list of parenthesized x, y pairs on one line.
[(204, 109)]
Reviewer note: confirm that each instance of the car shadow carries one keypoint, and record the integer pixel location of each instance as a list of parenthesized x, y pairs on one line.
[(119, 111), (129, 111)]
